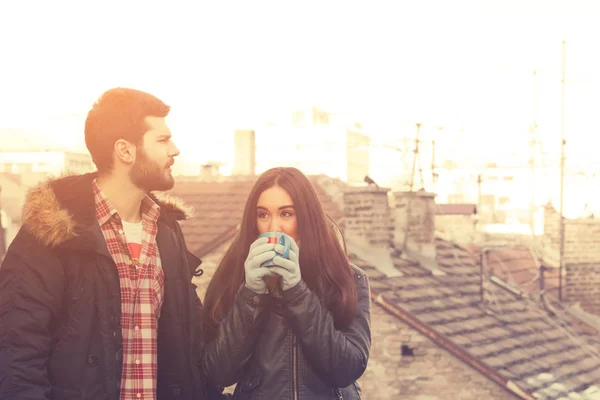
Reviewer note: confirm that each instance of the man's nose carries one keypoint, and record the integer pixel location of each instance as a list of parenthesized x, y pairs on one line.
[(174, 151)]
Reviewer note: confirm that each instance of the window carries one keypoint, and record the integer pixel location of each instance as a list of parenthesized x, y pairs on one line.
[(407, 351), (449, 164), (298, 119), (456, 198)]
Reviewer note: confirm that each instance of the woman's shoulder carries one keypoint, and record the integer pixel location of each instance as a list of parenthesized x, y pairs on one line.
[(358, 273)]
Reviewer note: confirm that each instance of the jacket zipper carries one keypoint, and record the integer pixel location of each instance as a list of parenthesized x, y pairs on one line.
[(295, 365), (338, 394)]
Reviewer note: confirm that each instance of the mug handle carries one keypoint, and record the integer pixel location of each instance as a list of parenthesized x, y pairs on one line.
[(284, 241)]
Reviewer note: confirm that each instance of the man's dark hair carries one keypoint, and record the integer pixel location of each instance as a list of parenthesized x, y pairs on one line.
[(119, 114)]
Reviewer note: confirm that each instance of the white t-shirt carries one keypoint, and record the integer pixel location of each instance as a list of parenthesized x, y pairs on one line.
[(133, 234)]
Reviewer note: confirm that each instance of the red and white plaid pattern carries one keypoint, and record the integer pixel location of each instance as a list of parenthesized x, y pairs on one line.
[(142, 293)]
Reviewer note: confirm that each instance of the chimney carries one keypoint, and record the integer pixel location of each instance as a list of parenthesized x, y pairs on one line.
[(414, 230), (245, 152), (581, 257), (210, 172), (367, 215), (552, 225), (368, 227)]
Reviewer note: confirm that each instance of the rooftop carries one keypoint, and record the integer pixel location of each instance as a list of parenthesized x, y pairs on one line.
[(493, 321), (496, 329), (218, 208)]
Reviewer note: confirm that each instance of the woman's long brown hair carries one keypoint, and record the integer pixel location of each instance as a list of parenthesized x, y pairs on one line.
[(323, 260)]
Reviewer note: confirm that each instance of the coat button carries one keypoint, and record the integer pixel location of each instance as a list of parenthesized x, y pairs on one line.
[(250, 384), (175, 390), (93, 361)]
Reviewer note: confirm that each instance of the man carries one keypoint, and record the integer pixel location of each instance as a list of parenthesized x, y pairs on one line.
[(96, 299), (4, 223)]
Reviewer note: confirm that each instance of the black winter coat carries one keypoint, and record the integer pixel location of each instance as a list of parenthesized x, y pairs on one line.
[(60, 333), (291, 349)]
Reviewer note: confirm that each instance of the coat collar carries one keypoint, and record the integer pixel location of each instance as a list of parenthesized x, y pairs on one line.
[(60, 211)]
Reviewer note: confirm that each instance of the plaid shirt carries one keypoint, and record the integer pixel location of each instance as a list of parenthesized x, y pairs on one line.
[(142, 293)]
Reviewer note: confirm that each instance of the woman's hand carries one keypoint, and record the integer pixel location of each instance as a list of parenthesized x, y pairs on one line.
[(288, 269), (260, 251)]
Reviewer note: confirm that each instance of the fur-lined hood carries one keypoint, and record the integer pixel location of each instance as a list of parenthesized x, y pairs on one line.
[(57, 209)]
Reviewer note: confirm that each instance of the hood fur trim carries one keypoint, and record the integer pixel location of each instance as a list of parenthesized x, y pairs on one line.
[(46, 219), (173, 204)]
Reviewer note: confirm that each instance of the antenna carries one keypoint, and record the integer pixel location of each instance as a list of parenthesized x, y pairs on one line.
[(411, 188), (416, 158), (434, 175), (479, 204), (562, 176), (532, 144)]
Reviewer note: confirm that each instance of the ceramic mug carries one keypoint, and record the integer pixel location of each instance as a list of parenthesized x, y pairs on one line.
[(274, 281)]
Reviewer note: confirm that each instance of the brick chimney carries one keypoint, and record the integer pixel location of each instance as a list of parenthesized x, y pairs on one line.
[(414, 230), (581, 282), (368, 227), (367, 215), (552, 225), (245, 152)]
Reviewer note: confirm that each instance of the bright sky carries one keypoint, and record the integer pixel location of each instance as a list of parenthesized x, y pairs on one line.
[(223, 64)]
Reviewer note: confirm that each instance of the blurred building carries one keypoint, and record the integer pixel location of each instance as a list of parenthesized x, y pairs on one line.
[(314, 144), (20, 170), (245, 152), (32, 165)]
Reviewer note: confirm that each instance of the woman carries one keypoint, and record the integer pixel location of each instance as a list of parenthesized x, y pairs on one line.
[(314, 341)]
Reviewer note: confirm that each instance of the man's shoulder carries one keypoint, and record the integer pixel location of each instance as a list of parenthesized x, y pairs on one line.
[(26, 250), (25, 242), (55, 207)]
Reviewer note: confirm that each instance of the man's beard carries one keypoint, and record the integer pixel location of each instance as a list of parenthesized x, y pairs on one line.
[(148, 175)]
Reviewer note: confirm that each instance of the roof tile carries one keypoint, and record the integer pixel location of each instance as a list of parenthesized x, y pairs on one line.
[(219, 207), (509, 332)]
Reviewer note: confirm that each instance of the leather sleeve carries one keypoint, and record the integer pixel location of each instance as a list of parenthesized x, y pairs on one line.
[(341, 355), (226, 357)]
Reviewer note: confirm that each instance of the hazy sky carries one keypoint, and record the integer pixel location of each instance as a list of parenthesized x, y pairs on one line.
[(222, 64)]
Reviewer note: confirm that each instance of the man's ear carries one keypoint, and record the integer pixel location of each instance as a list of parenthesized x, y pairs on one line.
[(125, 151)]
